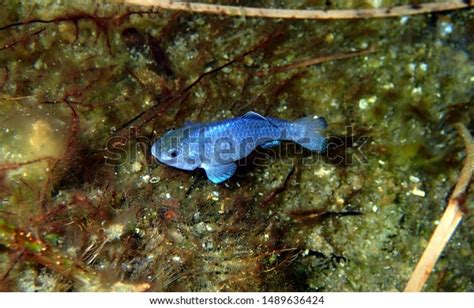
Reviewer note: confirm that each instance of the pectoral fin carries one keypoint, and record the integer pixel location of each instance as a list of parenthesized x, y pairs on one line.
[(219, 173)]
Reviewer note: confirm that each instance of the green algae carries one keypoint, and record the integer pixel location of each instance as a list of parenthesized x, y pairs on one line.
[(354, 219)]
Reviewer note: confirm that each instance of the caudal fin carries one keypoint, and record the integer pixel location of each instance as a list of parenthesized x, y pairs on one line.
[(310, 137)]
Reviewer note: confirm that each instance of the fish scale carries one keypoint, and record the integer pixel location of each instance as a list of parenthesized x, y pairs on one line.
[(256, 130)]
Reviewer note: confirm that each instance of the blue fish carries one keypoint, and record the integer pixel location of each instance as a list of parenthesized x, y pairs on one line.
[(217, 146)]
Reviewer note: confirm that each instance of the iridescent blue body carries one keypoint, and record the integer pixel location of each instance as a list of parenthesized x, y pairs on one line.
[(216, 146)]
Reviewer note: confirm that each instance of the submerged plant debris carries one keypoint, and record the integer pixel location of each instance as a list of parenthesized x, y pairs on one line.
[(85, 88)]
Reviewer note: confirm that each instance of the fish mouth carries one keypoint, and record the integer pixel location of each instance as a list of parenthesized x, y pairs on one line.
[(165, 162), (155, 151)]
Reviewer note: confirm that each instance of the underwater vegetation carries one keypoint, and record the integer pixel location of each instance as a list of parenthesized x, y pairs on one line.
[(85, 90)]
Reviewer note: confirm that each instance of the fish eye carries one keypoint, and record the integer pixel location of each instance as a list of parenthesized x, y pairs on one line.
[(173, 153)]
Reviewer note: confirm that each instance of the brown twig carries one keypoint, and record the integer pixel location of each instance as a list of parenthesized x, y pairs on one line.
[(23, 40), (449, 221), (229, 10), (11, 166), (14, 258), (271, 195), (314, 61)]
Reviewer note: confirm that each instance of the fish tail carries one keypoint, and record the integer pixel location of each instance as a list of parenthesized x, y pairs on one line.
[(309, 133)]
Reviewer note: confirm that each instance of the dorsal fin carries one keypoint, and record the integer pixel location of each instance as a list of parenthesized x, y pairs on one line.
[(256, 116)]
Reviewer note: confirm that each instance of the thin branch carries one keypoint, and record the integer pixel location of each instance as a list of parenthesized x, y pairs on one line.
[(229, 10), (318, 60), (271, 195), (23, 40), (11, 166), (449, 221)]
